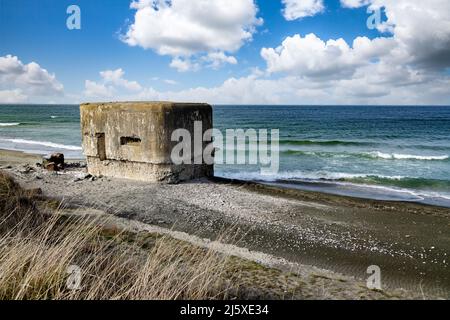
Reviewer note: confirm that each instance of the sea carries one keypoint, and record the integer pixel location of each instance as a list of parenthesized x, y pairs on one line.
[(373, 152)]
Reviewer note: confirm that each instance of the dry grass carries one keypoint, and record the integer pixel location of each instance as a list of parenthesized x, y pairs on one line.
[(37, 250), (17, 206)]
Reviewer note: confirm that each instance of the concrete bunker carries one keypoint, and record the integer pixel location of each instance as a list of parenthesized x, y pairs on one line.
[(132, 140)]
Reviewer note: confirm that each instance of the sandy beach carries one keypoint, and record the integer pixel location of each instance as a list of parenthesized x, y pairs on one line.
[(307, 233)]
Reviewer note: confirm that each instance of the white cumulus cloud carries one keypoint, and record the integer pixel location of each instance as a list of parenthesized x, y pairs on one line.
[(19, 81), (408, 60), (113, 81), (94, 89), (115, 77), (421, 29), (370, 84), (184, 65), (354, 3), (297, 9), (12, 96), (312, 57), (171, 82), (186, 28), (217, 59)]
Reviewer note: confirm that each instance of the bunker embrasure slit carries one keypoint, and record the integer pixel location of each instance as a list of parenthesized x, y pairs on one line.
[(133, 141)]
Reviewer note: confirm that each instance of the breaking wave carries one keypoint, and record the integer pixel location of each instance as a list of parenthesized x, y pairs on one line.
[(44, 143), (343, 177), (367, 155), (398, 156)]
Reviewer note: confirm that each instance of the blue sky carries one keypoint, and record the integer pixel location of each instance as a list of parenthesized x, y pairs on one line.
[(35, 32)]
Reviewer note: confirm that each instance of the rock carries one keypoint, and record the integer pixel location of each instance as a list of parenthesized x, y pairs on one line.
[(85, 177), (75, 165), (51, 166), (57, 161), (27, 169)]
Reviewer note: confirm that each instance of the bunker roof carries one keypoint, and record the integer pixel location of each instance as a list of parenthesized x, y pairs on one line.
[(157, 106)]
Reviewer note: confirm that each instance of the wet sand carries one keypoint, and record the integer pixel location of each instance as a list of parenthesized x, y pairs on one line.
[(9, 158), (409, 242)]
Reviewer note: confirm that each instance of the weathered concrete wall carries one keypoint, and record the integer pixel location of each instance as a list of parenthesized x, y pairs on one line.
[(133, 139)]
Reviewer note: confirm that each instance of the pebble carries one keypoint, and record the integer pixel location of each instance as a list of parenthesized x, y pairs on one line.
[(27, 169)]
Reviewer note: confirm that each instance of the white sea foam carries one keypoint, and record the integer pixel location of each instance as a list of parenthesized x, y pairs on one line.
[(307, 176), (420, 194), (397, 156), (9, 124), (372, 155), (338, 178), (43, 143)]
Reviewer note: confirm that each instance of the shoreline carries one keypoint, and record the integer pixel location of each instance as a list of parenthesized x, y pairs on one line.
[(13, 157), (8, 157), (287, 192)]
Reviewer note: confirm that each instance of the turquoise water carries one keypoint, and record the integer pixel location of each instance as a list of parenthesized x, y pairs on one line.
[(41, 129), (382, 152)]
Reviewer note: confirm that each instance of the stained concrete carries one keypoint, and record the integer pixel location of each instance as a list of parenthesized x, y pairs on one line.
[(132, 140)]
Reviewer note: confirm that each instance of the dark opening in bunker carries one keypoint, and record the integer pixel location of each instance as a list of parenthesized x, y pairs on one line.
[(101, 146), (133, 141)]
